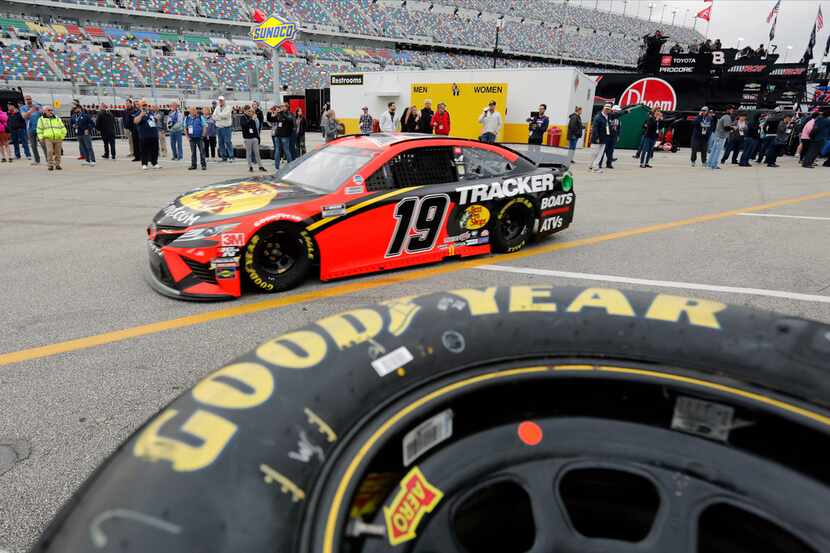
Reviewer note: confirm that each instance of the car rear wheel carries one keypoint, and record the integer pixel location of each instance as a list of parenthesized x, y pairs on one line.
[(513, 225), (278, 258), (529, 419)]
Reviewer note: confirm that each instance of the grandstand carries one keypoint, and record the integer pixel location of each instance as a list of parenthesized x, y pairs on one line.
[(192, 45)]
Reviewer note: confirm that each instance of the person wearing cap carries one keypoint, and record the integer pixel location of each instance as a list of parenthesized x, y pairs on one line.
[(701, 131), (366, 121), (601, 127), (223, 115), (491, 123), (537, 126), (722, 130), (51, 131), (615, 127)]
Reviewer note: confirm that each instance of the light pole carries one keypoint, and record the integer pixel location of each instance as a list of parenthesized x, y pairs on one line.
[(787, 54), (496, 47), (740, 41), (650, 9), (686, 18), (673, 16), (662, 13), (625, 5)]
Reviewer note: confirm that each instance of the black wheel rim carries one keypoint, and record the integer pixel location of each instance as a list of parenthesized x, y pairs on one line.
[(768, 492), (514, 223), (277, 252)]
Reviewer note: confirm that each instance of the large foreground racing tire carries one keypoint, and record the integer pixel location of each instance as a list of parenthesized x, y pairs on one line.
[(278, 258), (518, 419)]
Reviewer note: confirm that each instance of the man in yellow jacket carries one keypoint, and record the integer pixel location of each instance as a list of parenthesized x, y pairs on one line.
[(51, 131)]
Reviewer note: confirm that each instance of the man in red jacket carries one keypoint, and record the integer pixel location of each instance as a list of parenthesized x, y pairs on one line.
[(441, 120)]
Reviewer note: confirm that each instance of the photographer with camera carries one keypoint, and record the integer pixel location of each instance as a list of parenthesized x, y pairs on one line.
[(537, 126)]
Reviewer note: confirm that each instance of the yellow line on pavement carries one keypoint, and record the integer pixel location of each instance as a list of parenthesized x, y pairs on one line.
[(352, 287)]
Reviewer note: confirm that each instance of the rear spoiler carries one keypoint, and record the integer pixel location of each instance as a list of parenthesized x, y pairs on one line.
[(558, 159)]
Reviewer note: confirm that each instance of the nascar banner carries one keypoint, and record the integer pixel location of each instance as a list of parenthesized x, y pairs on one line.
[(781, 85)]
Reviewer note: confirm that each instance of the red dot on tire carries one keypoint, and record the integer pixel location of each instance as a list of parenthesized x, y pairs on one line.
[(530, 433)]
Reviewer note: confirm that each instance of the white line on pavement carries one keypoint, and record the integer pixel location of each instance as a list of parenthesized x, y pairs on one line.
[(784, 216), (660, 283)]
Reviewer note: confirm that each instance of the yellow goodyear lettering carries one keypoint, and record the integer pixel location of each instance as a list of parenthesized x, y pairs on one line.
[(525, 298), (229, 387), (211, 430), (480, 302), (401, 313), (296, 350), (613, 301), (666, 307), (353, 327)]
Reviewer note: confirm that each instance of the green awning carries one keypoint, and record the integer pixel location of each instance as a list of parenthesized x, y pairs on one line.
[(16, 23)]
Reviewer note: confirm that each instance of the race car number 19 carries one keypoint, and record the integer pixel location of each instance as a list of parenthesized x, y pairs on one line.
[(419, 222)]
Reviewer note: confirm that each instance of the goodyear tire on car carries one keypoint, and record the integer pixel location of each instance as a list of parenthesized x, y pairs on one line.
[(267, 453), (513, 225), (278, 258)]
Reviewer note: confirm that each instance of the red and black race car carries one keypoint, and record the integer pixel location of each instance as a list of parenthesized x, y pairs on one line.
[(356, 205)]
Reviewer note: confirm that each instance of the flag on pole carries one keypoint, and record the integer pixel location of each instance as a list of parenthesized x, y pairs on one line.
[(774, 11), (705, 13), (808, 54), (819, 20), (827, 46), (772, 30)]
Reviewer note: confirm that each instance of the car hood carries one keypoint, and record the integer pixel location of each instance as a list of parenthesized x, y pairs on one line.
[(226, 200)]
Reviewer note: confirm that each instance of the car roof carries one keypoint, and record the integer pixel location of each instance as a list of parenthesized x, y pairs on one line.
[(381, 140)]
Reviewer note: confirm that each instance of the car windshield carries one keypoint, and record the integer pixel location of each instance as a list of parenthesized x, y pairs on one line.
[(324, 170)]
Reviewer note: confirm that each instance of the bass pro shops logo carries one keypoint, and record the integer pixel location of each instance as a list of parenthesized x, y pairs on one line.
[(274, 31), (651, 91)]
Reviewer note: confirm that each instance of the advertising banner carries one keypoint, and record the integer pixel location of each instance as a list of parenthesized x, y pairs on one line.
[(465, 102)]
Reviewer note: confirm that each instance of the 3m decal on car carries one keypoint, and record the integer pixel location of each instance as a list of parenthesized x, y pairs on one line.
[(236, 239), (474, 217), (416, 498)]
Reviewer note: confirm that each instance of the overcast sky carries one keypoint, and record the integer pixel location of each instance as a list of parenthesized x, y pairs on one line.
[(733, 19)]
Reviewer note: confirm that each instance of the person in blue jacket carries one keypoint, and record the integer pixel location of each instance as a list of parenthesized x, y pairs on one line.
[(84, 127)]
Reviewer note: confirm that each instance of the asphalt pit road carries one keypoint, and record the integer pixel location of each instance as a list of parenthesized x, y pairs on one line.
[(12, 453)]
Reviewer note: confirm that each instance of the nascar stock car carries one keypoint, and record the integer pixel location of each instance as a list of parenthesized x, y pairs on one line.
[(355, 205)]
